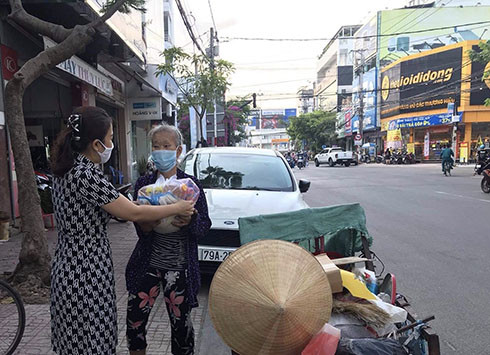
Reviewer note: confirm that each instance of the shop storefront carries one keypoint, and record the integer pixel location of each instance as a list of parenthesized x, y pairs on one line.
[(144, 114), (418, 95)]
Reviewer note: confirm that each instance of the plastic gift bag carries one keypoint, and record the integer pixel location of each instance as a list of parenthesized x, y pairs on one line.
[(167, 192), (324, 343)]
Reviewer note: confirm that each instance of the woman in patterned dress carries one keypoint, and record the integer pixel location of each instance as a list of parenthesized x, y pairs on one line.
[(83, 297)]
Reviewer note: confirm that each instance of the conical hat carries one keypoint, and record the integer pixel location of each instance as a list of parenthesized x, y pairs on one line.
[(269, 297)]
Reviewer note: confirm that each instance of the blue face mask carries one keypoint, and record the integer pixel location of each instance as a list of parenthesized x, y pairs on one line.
[(164, 160)]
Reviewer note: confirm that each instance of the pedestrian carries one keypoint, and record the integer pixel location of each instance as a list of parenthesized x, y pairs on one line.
[(169, 260), (83, 295)]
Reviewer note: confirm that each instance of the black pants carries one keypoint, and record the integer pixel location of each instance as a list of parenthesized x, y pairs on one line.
[(173, 284)]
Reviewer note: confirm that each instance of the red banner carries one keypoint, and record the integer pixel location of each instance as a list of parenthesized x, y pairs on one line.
[(9, 62)]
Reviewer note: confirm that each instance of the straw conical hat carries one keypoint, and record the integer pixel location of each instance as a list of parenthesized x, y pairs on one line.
[(269, 297)]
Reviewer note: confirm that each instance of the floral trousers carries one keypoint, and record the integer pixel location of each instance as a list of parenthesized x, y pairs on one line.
[(173, 285)]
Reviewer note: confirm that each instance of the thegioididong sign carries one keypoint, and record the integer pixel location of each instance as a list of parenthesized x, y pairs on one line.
[(423, 83)]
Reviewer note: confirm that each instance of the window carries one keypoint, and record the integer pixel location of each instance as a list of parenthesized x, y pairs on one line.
[(186, 166), (243, 172)]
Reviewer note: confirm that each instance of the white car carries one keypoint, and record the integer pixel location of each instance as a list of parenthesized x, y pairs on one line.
[(333, 156), (240, 182)]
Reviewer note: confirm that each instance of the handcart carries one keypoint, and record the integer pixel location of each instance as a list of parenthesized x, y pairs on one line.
[(339, 231)]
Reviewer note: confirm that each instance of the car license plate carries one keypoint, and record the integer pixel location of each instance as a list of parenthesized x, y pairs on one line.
[(206, 254)]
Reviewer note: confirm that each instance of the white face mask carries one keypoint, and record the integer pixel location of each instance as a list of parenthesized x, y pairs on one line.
[(106, 154)]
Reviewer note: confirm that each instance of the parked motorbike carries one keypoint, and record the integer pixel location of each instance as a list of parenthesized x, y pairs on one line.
[(365, 158), (380, 159), (409, 158), (396, 158), (125, 191), (44, 181)]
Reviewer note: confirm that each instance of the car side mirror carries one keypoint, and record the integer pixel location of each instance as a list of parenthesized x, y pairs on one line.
[(304, 185)]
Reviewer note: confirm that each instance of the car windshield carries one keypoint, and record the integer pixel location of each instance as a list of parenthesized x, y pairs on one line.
[(243, 172)]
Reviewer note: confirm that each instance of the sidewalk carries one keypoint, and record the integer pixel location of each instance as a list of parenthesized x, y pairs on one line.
[(36, 339)]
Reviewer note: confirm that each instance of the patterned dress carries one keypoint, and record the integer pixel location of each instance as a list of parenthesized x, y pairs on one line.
[(83, 296)]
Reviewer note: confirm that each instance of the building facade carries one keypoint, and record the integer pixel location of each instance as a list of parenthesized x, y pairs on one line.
[(436, 98), (391, 36), (114, 73)]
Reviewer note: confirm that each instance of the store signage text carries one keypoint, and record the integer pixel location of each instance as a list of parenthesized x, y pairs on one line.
[(78, 68), (145, 108), (423, 121), (423, 83)]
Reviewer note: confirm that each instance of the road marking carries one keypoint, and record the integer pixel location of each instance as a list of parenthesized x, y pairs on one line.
[(461, 196)]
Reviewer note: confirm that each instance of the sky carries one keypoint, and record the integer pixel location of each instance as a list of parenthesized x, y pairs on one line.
[(273, 70)]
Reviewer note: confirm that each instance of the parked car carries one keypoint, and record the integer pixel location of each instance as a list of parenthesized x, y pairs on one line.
[(240, 182), (332, 156)]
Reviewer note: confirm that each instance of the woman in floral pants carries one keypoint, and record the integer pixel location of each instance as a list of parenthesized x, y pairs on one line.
[(166, 260), (139, 307)]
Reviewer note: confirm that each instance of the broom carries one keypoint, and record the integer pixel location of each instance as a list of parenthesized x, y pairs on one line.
[(365, 312)]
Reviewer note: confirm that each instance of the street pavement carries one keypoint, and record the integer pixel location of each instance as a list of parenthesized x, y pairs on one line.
[(431, 232), (36, 339), (428, 229)]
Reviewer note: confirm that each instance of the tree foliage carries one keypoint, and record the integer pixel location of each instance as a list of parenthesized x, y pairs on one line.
[(235, 120), (315, 129), (198, 81), (483, 56), (34, 257)]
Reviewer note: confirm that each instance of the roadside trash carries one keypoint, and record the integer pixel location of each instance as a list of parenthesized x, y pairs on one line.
[(269, 297), (356, 288), (369, 278), (366, 312), (370, 346), (324, 343), (167, 192), (350, 326), (332, 271)]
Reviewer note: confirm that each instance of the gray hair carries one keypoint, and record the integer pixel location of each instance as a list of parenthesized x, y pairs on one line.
[(165, 127)]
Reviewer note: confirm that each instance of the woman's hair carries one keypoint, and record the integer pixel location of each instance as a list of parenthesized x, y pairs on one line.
[(165, 127), (85, 125)]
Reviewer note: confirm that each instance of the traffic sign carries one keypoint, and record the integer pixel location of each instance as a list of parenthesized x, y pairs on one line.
[(358, 139)]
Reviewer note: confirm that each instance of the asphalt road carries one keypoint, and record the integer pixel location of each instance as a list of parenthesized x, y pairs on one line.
[(431, 231)]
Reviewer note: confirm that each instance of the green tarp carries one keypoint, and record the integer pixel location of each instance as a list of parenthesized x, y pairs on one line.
[(342, 227)]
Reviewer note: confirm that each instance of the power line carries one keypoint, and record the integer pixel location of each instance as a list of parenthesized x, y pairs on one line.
[(189, 27), (409, 13), (316, 78), (212, 16), (360, 37)]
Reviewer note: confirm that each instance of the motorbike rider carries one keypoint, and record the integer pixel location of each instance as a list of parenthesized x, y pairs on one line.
[(447, 155)]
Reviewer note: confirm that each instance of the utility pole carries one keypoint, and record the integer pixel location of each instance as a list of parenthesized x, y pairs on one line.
[(260, 128), (211, 63), (360, 93), (361, 98)]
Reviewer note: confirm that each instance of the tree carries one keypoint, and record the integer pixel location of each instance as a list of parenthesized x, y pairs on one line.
[(235, 119), (316, 129), (199, 82), (483, 56), (34, 258)]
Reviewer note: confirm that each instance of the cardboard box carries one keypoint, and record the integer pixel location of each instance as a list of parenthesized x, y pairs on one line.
[(332, 271)]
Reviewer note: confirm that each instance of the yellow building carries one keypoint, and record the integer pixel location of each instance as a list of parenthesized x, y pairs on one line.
[(418, 93)]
